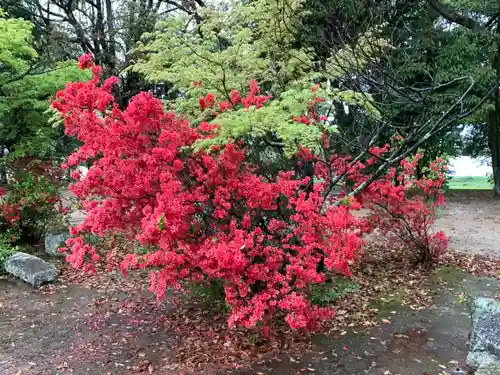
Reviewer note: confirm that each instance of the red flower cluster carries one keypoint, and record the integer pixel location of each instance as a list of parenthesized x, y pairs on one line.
[(30, 193), (85, 61), (11, 213), (252, 99), (408, 219), (11, 210), (205, 216)]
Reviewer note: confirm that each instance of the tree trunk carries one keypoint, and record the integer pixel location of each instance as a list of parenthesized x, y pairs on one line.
[(494, 145), (111, 50), (3, 170), (494, 125)]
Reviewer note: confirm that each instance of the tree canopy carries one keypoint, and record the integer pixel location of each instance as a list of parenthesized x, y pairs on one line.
[(26, 85), (419, 69)]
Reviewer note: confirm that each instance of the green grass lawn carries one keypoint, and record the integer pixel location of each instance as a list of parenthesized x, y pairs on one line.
[(469, 183)]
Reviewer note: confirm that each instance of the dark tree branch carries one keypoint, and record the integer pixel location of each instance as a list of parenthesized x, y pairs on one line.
[(454, 17), (491, 21), (184, 9), (412, 144)]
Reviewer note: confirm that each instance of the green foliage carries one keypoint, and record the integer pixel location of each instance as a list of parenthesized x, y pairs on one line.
[(324, 294), (275, 118), (210, 293), (473, 52), (467, 53), (16, 51), (6, 250), (226, 50), (25, 122), (26, 86), (475, 6), (438, 53), (92, 239), (430, 54), (6, 246), (368, 46), (142, 250), (252, 40)]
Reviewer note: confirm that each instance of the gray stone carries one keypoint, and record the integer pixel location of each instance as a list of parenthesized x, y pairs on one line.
[(55, 240), (484, 351), (30, 269), (491, 369)]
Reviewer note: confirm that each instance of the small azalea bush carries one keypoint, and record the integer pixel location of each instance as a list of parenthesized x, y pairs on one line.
[(404, 212), (32, 203), (214, 214)]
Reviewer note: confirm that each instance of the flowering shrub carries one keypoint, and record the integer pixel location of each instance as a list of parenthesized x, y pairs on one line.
[(210, 214), (31, 204), (405, 212)]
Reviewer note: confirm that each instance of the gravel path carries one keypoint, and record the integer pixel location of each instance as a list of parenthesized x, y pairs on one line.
[(472, 220)]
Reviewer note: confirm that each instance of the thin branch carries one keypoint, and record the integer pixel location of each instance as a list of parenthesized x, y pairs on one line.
[(454, 17), (491, 21), (438, 127)]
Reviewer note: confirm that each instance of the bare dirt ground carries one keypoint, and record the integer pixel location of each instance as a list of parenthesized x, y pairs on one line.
[(99, 329), (112, 327), (472, 220)]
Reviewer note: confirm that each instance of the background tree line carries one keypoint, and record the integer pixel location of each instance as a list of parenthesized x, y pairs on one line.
[(424, 71)]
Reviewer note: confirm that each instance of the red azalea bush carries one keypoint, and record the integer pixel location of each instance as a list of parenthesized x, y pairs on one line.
[(213, 215), (405, 212), (32, 201), (399, 206)]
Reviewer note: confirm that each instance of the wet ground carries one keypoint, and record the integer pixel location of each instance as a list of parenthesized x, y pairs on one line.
[(63, 331), (71, 330), (67, 329), (413, 343)]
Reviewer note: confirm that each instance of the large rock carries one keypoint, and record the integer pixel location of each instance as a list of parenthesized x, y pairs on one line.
[(55, 240), (490, 369), (31, 269), (484, 351)]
